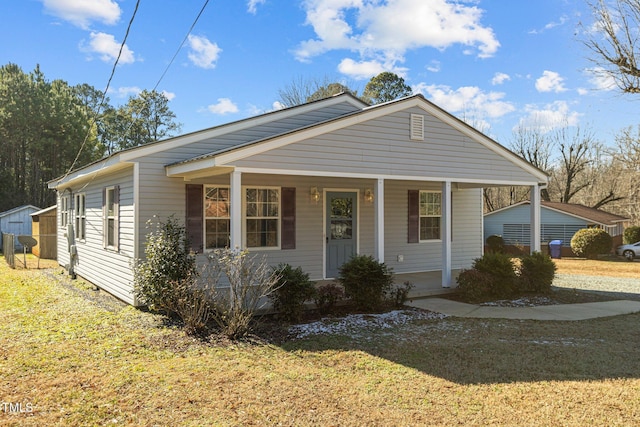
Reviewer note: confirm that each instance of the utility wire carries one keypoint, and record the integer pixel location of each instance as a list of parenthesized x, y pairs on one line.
[(94, 119)]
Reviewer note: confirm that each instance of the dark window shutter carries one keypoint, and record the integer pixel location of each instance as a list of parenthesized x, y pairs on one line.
[(414, 217), (195, 216), (288, 218)]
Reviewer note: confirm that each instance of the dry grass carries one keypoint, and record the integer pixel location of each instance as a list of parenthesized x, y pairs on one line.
[(83, 363), (614, 267)]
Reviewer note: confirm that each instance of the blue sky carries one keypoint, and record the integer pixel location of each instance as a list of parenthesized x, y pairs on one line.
[(498, 63)]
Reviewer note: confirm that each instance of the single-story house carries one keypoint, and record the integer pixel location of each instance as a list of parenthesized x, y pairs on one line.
[(44, 228), (309, 185), (559, 221), (17, 221)]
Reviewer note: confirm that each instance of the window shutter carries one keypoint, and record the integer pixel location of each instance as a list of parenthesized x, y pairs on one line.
[(195, 216), (417, 127), (288, 218), (116, 221), (414, 217)]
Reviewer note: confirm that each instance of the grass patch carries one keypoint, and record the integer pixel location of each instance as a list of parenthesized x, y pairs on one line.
[(610, 267), (80, 361)]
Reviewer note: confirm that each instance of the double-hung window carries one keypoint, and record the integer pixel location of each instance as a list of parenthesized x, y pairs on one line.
[(111, 216), (80, 216), (262, 216), (217, 219), (64, 210), (430, 215)]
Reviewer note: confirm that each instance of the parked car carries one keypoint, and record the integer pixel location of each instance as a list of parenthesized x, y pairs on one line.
[(630, 251)]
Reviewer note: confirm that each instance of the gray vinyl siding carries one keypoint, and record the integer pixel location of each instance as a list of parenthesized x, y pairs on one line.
[(105, 268), (383, 145), (427, 255)]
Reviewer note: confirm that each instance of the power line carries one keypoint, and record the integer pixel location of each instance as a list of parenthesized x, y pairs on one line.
[(104, 94)]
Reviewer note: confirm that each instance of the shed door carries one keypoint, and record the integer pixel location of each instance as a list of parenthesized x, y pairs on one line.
[(341, 230)]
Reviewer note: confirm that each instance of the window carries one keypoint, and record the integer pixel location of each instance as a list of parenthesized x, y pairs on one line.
[(217, 220), (430, 215), (262, 216), (110, 209), (80, 216), (64, 211)]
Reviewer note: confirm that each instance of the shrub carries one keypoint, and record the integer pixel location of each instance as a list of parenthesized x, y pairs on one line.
[(631, 235), (495, 243), (400, 294), (327, 296), (536, 272), (238, 298), (474, 285), (293, 289), (491, 276), (591, 242), (166, 280), (366, 281), (168, 266)]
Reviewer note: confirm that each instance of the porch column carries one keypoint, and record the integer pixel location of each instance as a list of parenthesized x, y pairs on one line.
[(535, 219), (379, 220), (446, 234), (235, 210)]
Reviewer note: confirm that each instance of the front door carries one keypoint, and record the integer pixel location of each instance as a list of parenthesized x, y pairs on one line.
[(341, 229)]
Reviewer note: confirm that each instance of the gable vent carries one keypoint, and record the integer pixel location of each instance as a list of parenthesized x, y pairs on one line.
[(417, 127)]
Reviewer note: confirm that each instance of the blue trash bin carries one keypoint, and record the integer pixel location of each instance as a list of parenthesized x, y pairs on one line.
[(555, 249)]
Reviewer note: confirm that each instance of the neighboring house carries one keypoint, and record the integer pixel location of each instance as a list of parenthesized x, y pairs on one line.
[(559, 221), (17, 221), (309, 185), (44, 229)]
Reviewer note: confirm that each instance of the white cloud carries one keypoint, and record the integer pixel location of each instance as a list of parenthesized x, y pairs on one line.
[(467, 100), (549, 117), (550, 82), (499, 78), (434, 66), (203, 54), (252, 5), (224, 106), (388, 29), (551, 25), (601, 79), (82, 12), (106, 46), (367, 69), (126, 91), (168, 95)]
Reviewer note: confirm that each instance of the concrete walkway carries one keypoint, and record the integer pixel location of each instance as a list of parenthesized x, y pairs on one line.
[(584, 311)]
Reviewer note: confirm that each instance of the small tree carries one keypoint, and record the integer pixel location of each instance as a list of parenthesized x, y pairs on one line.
[(631, 235), (536, 272), (591, 242)]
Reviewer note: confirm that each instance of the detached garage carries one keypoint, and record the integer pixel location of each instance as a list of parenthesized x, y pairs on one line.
[(558, 221)]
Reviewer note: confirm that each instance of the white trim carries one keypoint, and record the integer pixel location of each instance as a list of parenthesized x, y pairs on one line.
[(245, 218), (136, 211), (535, 226), (378, 220), (327, 174), (235, 190), (446, 232), (416, 127), (441, 216)]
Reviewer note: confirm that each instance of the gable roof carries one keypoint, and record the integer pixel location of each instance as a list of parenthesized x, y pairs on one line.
[(116, 160), (238, 152), (18, 209), (576, 210)]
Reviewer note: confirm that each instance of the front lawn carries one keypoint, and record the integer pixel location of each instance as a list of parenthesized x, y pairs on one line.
[(71, 356)]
